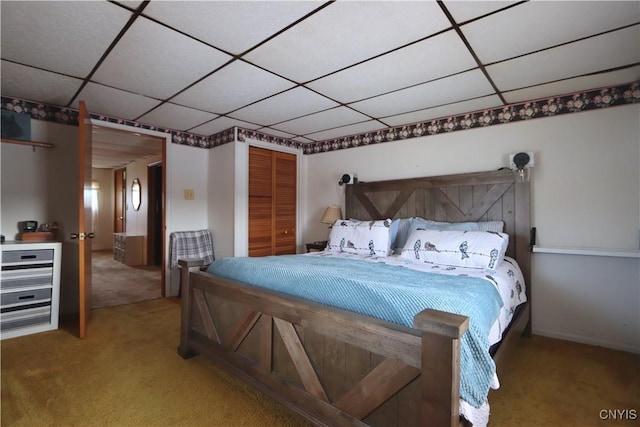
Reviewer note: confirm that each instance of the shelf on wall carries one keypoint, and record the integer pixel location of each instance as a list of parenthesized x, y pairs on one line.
[(618, 253), (31, 143)]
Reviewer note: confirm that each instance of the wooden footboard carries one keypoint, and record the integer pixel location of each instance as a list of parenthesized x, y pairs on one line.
[(330, 366)]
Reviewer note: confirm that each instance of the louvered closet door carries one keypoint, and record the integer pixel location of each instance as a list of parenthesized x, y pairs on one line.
[(272, 202), (284, 203)]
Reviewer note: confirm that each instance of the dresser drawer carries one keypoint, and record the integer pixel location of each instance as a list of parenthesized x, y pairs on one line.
[(26, 278), (16, 318), (20, 298), (36, 255)]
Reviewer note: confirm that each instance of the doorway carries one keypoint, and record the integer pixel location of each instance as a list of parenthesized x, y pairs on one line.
[(138, 276)]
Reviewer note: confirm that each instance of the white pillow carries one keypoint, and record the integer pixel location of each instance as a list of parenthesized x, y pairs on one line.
[(497, 226), (479, 249), (360, 237)]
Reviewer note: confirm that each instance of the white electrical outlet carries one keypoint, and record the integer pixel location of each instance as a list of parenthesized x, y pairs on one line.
[(512, 164)]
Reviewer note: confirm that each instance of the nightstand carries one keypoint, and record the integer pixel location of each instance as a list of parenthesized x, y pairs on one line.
[(317, 246)]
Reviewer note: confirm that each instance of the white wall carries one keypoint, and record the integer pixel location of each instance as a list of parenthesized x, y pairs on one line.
[(585, 191), (24, 187), (103, 227), (223, 198), (187, 168), (42, 186)]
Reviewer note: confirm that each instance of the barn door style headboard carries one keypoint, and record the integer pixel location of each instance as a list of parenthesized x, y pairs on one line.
[(480, 196)]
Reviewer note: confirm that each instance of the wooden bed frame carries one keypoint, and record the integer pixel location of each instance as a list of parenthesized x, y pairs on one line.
[(339, 368)]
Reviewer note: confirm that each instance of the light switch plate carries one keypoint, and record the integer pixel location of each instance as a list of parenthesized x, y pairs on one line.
[(189, 194)]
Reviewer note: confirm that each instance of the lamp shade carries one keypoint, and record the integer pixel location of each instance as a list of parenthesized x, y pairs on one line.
[(331, 214)]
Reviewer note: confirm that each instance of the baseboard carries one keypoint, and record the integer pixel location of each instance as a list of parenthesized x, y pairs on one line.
[(587, 340)]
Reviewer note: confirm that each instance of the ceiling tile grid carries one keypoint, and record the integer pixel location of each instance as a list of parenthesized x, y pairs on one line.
[(310, 71)]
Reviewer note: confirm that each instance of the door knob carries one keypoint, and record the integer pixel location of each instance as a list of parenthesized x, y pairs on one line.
[(82, 236)]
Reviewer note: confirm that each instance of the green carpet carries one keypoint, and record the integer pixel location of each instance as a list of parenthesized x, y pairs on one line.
[(127, 373)]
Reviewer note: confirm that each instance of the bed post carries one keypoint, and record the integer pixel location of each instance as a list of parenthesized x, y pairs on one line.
[(185, 312), (440, 378)]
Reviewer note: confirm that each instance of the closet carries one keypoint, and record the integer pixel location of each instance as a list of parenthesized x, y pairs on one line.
[(272, 202)]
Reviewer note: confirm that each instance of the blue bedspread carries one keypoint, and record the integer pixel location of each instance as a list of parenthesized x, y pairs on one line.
[(391, 293)]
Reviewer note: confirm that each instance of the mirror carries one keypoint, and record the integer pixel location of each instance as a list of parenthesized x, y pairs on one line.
[(136, 194)]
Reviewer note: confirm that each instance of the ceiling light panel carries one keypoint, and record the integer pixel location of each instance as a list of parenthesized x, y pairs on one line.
[(232, 87), (610, 50), (456, 88), (234, 26), (402, 68), (345, 33), (33, 83), (70, 40), (150, 59), (502, 36)]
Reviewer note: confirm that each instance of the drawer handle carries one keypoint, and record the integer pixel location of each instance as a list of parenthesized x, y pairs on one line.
[(27, 297), (28, 256)]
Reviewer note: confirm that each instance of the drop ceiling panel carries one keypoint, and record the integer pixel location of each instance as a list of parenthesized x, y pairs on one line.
[(503, 35), (573, 85), (591, 55), (176, 117), (233, 26), (232, 87), (114, 102), (394, 62), (463, 11), (357, 128), (451, 89), (444, 111), (292, 103), (38, 85), (345, 33), (383, 74), (155, 61), (321, 121), (221, 124), (71, 38)]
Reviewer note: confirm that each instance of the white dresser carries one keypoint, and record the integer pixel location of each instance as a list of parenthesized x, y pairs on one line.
[(29, 287)]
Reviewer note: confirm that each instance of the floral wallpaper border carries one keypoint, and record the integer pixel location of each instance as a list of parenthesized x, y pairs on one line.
[(547, 107)]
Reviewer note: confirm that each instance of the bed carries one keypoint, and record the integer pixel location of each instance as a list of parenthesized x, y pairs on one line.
[(340, 366)]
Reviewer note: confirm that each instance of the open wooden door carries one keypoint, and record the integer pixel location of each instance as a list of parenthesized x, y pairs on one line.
[(85, 226)]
